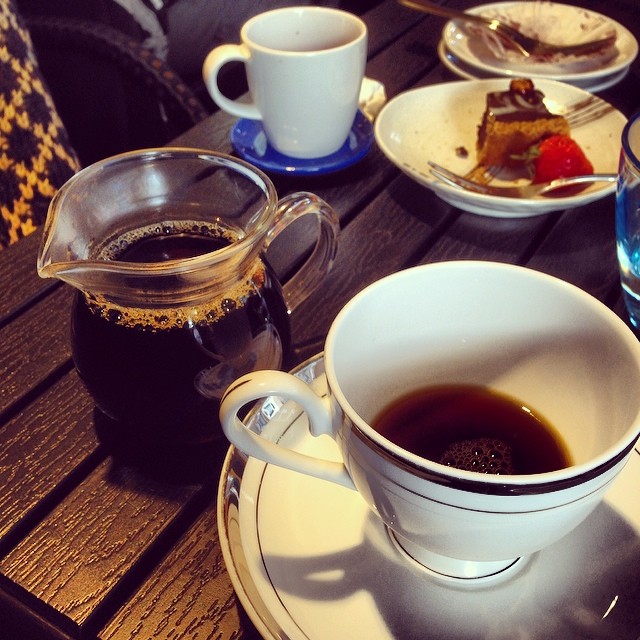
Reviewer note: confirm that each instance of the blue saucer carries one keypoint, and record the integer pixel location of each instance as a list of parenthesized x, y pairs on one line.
[(250, 142)]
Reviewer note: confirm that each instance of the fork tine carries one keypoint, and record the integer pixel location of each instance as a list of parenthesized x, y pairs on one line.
[(589, 115), (578, 105), (585, 111), (456, 180), (482, 175)]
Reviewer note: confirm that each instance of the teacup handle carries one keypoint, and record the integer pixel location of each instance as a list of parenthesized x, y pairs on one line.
[(214, 61), (318, 264), (262, 384)]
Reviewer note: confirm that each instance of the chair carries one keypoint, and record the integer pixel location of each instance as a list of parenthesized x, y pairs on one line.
[(112, 93)]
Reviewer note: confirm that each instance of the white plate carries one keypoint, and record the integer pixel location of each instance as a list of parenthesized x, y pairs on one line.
[(558, 23), (430, 123), (309, 561), (469, 72)]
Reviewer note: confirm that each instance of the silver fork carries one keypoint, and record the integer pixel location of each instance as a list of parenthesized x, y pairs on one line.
[(524, 191), (525, 45), (585, 111)]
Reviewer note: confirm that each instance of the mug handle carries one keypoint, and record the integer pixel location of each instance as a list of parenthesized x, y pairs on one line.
[(214, 61), (318, 264), (262, 384)]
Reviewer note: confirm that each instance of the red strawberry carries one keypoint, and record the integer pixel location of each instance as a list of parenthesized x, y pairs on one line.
[(558, 157)]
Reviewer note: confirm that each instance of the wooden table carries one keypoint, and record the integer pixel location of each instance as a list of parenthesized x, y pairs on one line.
[(94, 545)]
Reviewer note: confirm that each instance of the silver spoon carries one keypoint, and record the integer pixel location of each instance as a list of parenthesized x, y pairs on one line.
[(524, 44)]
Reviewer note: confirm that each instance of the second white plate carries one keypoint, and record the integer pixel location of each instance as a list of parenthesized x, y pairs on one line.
[(433, 123), (553, 22), (469, 72)]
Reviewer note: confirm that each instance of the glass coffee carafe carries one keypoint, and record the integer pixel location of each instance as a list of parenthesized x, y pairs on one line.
[(175, 297)]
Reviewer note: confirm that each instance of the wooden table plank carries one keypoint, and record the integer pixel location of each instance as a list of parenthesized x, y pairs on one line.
[(473, 237), (43, 448), (19, 281), (192, 573), (386, 22), (581, 249), (20, 622), (94, 542), (35, 346), (408, 59)]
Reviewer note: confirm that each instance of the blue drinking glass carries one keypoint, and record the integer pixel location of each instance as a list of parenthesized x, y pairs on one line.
[(628, 218)]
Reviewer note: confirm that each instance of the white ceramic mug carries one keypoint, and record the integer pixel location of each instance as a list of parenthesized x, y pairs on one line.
[(515, 330), (304, 67)]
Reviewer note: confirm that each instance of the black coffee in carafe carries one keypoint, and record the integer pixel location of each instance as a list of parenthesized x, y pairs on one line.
[(165, 367)]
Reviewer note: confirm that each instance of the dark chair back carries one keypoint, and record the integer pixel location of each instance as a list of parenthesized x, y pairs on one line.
[(112, 93)]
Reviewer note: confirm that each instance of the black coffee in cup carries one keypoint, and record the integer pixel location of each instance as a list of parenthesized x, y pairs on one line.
[(473, 428)]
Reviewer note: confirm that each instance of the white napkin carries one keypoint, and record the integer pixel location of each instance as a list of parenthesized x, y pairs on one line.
[(372, 98)]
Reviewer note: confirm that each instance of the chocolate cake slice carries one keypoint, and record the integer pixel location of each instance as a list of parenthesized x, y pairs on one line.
[(513, 121)]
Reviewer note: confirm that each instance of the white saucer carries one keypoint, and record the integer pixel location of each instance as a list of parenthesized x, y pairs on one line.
[(468, 72), (554, 22), (250, 142), (432, 123), (309, 561)]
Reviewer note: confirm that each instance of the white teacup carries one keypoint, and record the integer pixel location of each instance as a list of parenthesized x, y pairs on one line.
[(515, 330), (304, 67)]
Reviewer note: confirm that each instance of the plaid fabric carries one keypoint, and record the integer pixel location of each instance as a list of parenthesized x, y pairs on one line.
[(36, 157)]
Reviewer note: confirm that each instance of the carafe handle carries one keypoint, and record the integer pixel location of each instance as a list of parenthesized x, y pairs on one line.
[(318, 264)]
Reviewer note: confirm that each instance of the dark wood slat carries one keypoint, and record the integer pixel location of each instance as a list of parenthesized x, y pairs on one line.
[(386, 22), (77, 556), (18, 622), (34, 346), (192, 573), (410, 57), (19, 281), (581, 249), (473, 237), (42, 447)]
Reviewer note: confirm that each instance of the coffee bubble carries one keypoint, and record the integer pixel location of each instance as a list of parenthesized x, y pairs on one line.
[(484, 455)]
